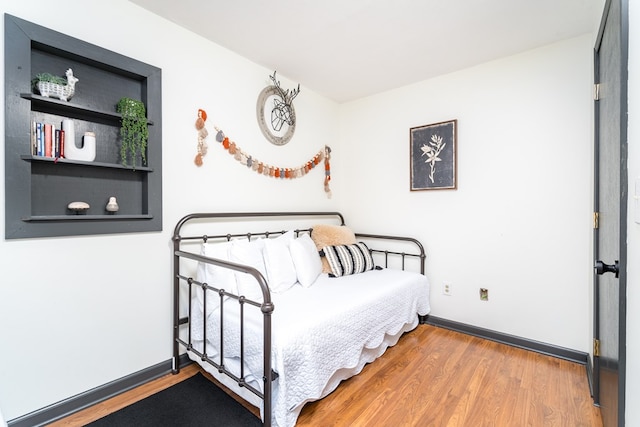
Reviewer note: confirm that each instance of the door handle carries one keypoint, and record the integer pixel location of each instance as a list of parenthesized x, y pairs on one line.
[(602, 268)]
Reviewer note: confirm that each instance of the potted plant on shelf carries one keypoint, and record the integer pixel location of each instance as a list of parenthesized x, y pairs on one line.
[(50, 85), (134, 130)]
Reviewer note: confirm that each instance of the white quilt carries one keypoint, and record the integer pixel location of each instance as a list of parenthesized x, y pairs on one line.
[(321, 334)]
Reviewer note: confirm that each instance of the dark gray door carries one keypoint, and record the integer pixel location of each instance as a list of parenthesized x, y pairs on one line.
[(610, 206)]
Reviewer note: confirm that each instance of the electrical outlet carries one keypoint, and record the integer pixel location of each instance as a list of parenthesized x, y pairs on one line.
[(446, 289), (484, 294)]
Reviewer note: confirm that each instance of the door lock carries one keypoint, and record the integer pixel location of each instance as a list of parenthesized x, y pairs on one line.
[(602, 268)]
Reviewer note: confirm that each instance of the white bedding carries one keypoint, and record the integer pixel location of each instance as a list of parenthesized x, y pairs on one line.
[(321, 334)]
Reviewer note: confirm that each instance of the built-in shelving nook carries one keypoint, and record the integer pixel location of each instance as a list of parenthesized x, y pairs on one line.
[(39, 188)]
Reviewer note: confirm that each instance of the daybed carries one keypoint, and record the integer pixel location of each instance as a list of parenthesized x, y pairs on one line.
[(279, 325)]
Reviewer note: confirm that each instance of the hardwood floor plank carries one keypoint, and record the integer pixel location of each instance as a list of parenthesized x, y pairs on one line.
[(433, 377)]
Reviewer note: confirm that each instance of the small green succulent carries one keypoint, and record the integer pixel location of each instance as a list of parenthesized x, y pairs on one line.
[(48, 77)]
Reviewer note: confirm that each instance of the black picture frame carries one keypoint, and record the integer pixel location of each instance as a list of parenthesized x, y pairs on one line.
[(433, 156)]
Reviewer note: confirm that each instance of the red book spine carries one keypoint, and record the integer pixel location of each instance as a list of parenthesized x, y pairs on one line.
[(47, 140)]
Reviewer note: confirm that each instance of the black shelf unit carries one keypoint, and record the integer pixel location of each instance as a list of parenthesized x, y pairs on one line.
[(38, 189)]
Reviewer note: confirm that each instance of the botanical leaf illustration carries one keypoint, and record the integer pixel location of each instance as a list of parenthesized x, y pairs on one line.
[(432, 151)]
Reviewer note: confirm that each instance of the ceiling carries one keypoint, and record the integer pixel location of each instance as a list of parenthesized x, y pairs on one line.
[(348, 49)]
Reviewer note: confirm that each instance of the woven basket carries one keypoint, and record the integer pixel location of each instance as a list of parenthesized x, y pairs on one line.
[(55, 90)]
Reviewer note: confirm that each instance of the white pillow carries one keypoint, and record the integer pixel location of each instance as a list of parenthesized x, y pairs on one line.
[(305, 259), (281, 272), (213, 275), (249, 253)]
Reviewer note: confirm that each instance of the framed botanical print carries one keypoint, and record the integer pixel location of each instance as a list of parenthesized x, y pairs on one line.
[(433, 156)]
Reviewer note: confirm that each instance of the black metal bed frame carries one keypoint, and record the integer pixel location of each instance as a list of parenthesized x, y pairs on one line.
[(266, 306)]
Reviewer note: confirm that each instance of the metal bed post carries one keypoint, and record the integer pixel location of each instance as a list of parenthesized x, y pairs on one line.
[(267, 309), (175, 364)]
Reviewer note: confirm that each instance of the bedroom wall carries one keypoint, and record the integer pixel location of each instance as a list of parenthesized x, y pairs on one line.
[(76, 313), (519, 223)]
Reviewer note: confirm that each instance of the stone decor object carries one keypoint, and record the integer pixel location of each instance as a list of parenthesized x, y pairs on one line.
[(78, 207), (112, 206)]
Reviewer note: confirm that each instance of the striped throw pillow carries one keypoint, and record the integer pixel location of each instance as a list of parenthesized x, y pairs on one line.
[(348, 259)]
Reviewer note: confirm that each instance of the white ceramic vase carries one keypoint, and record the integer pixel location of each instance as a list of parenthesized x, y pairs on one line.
[(87, 152)]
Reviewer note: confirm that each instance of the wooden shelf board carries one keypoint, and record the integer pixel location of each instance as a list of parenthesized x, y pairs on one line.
[(83, 217), (70, 107), (31, 158)]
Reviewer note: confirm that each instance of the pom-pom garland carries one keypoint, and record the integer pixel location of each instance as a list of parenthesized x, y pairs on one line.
[(202, 134), (255, 164), (327, 170)]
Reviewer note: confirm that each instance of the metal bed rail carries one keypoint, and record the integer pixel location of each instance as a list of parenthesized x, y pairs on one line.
[(420, 254)]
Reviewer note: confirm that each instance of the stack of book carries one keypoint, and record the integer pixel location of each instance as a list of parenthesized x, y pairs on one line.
[(47, 140)]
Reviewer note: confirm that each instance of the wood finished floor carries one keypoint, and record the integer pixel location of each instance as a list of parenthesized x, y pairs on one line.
[(432, 377)]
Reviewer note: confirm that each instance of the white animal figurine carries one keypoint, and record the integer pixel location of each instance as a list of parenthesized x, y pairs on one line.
[(70, 88), (54, 90)]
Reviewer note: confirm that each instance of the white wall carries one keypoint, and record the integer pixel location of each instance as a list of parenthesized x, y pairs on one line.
[(65, 331), (519, 223), (633, 231)]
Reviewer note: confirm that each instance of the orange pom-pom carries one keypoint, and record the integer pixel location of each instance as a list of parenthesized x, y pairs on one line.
[(225, 143), (202, 114), (198, 159)]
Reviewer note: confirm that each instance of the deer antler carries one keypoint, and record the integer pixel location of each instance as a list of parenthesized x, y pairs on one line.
[(284, 94)]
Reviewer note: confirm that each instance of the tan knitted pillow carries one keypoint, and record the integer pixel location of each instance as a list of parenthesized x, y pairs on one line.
[(330, 235)]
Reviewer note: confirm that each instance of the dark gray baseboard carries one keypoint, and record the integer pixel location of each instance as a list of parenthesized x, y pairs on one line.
[(81, 401), (537, 346)]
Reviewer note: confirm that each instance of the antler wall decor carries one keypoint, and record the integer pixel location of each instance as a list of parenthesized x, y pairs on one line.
[(277, 120), (283, 108)]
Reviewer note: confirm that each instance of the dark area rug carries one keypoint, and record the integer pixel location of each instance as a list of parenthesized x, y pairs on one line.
[(195, 402)]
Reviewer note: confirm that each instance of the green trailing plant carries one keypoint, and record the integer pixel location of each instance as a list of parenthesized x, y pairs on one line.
[(48, 77), (134, 131)]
